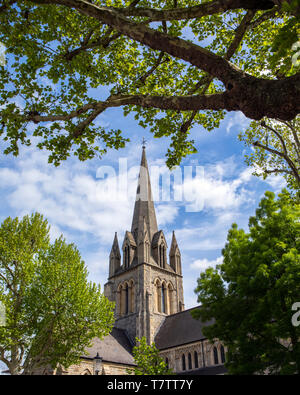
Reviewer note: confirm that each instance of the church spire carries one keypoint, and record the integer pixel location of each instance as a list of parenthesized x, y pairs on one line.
[(144, 206), (114, 257), (175, 256), (174, 244), (115, 247)]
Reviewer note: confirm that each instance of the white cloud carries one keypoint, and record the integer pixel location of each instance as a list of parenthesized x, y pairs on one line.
[(237, 119), (277, 182), (217, 189), (203, 264), (166, 213)]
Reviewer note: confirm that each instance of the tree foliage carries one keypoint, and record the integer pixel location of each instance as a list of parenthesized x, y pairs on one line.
[(174, 64), (147, 359), (252, 293), (52, 311), (276, 149)]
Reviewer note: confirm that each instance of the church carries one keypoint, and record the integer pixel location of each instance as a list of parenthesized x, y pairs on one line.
[(146, 284)]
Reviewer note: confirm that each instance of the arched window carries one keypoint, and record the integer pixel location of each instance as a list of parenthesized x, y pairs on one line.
[(177, 258), (160, 256), (163, 298), (170, 299), (222, 354), (120, 301), (167, 363), (131, 297), (126, 299), (216, 358), (157, 290), (190, 361), (127, 257), (183, 362), (196, 359)]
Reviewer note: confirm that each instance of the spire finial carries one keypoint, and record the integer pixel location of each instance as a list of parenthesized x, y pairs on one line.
[(144, 143)]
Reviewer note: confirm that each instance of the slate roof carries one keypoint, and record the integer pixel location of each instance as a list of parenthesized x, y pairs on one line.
[(116, 347), (180, 328)]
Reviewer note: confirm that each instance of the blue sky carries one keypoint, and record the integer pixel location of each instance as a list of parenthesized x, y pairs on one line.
[(68, 196)]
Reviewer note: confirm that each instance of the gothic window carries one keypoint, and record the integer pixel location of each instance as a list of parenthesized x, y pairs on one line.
[(222, 354), (183, 362), (190, 361), (160, 255), (127, 257), (120, 301), (131, 297), (216, 358), (196, 359), (167, 363), (126, 299), (177, 258), (158, 295), (163, 298), (170, 299)]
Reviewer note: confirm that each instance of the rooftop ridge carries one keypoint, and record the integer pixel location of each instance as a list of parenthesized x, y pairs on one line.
[(184, 311)]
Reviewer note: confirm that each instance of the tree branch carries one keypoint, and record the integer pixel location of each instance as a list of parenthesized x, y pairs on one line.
[(185, 103), (213, 7), (192, 53), (206, 80), (282, 155), (255, 97), (263, 124)]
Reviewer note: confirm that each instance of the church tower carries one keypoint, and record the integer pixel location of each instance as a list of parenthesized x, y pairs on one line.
[(144, 285)]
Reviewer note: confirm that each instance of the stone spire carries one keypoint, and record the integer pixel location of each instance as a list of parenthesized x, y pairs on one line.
[(114, 257), (175, 256), (144, 211), (174, 244), (115, 247)]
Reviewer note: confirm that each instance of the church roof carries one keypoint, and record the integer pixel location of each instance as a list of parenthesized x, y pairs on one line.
[(144, 206), (180, 328), (115, 347)]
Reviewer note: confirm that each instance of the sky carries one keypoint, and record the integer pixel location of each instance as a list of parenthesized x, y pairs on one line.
[(72, 196)]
